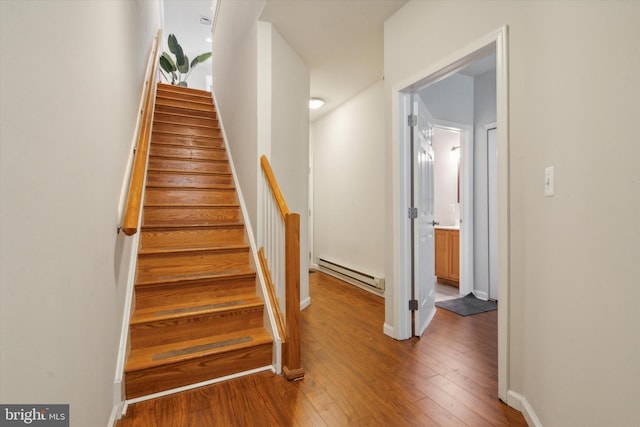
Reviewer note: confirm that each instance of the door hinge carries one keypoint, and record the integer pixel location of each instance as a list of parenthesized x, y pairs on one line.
[(413, 304), (412, 120), (413, 213)]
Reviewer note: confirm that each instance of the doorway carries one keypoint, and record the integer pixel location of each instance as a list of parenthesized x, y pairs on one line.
[(402, 315)]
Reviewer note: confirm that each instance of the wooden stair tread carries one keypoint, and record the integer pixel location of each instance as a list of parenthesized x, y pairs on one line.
[(181, 89), (187, 171), (226, 247), (188, 147), (212, 161), (187, 125), (212, 305), (190, 205), (189, 189), (150, 357), (193, 277), (185, 114), (172, 227), (193, 139), (164, 95)]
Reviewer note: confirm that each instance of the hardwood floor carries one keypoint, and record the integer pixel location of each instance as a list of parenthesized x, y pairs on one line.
[(356, 375)]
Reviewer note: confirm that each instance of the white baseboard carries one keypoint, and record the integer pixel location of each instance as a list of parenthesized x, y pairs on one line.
[(200, 384), (305, 303), (520, 402), (389, 330), (481, 295)]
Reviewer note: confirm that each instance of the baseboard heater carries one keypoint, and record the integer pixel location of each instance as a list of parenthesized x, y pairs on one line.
[(349, 273)]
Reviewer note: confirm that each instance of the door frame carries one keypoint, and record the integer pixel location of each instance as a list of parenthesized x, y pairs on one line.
[(398, 325)]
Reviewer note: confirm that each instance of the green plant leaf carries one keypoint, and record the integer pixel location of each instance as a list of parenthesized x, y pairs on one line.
[(180, 57), (172, 41), (200, 58), (167, 63), (184, 67)]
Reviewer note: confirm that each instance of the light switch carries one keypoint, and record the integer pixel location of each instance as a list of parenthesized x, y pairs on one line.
[(548, 181)]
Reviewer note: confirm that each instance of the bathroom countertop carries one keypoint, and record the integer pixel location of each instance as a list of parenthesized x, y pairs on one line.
[(448, 227)]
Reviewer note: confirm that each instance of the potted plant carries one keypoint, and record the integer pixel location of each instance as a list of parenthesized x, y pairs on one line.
[(180, 69)]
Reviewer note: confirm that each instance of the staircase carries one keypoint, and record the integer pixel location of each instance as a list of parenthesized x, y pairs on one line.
[(197, 315)]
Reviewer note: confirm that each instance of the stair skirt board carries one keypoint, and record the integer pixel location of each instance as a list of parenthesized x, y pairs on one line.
[(196, 385)]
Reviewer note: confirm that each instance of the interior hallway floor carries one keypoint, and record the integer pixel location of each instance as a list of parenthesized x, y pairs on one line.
[(356, 375)]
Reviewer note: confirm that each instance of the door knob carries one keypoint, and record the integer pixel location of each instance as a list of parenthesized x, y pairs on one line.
[(434, 223)]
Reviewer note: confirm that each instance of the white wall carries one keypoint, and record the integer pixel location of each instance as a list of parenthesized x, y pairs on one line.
[(445, 171), (450, 99), (574, 89), (349, 183), (289, 142), (262, 90), (484, 101), (71, 81), (235, 76)]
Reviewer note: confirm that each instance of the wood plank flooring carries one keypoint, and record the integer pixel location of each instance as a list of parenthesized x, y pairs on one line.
[(356, 375)]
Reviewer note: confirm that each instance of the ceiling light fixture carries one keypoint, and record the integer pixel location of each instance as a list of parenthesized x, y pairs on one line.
[(315, 103), (208, 40)]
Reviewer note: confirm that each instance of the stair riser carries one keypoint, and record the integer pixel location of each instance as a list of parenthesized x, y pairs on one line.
[(158, 150), (165, 100), (189, 197), (168, 266), (197, 216), (186, 120), (168, 93), (194, 327), (162, 378), (201, 290), (182, 141), (159, 163), (151, 239), (185, 129), (188, 108), (162, 179)]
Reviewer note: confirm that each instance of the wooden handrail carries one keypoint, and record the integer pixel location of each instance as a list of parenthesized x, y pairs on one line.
[(134, 197), (292, 366), (275, 188)]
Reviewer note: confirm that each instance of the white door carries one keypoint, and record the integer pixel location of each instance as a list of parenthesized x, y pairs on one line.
[(423, 227)]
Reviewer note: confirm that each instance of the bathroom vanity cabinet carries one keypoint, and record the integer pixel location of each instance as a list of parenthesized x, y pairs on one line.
[(448, 256)]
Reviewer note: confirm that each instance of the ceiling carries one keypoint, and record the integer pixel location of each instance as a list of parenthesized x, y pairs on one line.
[(341, 41)]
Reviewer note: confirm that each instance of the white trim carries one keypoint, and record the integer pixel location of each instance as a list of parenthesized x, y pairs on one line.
[(520, 402), (481, 295), (116, 414), (196, 385), (497, 41), (502, 116), (273, 331), (389, 330), (305, 303)]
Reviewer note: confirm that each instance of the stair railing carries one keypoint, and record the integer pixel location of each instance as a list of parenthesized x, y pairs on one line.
[(131, 216), (280, 263)]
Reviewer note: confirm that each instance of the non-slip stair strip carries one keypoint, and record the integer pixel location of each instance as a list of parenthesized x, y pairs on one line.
[(200, 308), (200, 348)]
